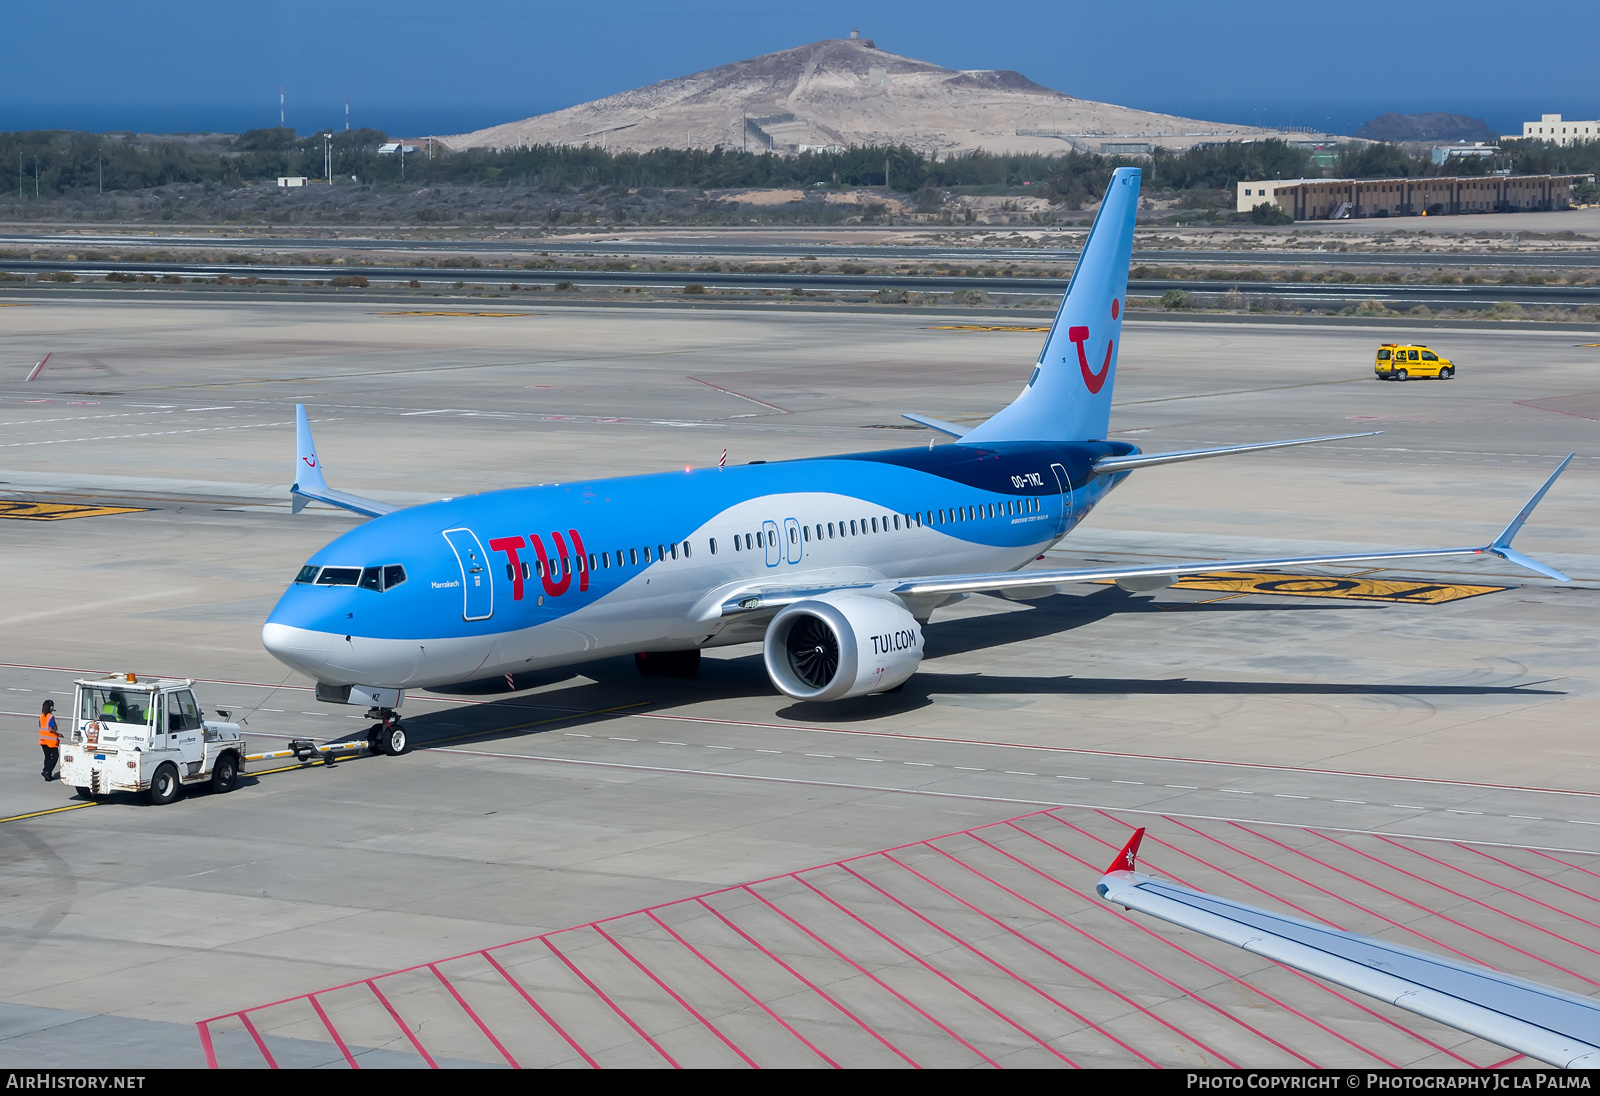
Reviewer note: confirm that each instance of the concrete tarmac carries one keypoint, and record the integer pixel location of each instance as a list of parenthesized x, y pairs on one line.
[(1249, 730)]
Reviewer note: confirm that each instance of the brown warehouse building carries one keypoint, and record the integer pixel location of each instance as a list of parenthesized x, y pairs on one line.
[(1322, 199)]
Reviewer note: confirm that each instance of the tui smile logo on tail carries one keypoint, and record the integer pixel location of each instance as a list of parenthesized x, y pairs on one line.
[(1079, 335)]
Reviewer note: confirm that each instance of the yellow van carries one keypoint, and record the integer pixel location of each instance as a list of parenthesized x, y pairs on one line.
[(1400, 363)]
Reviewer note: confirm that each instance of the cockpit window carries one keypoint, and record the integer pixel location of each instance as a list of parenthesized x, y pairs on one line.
[(394, 575), (372, 578), (308, 573), (339, 576)]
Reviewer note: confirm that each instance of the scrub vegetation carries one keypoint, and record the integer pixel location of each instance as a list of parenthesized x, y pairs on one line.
[(222, 178)]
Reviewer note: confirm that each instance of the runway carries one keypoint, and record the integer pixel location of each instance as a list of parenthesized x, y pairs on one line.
[(1419, 771)]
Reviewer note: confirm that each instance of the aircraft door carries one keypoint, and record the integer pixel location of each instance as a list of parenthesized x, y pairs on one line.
[(1064, 482), (791, 536), (477, 591), (769, 531)]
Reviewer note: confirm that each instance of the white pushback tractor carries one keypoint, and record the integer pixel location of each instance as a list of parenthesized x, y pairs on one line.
[(132, 735)]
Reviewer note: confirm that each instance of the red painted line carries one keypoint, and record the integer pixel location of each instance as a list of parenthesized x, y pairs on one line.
[(697, 380), (333, 1031), (1558, 860), (818, 990), (1497, 886), (1475, 901), (526, 996), (729, 1043), (1245, 983), (930, 968), (401, 1024), (1526, 871), (900, 736), (205, 1045), (272, 1063), (1416, 905), (753, 999), (1331, 894), (1073, 967), (1325, 987), (36, 370), (1184, 990), (600, 993), (504, 1053), (876, 980), (992, 961)]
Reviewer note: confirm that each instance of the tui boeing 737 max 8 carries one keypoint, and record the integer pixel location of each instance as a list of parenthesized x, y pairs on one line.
[(832, 563)]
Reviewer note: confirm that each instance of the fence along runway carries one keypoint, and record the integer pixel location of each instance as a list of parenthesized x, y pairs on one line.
[(985, 947)]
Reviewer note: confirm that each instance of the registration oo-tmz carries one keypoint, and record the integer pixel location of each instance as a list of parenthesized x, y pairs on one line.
[(1290, 1080)]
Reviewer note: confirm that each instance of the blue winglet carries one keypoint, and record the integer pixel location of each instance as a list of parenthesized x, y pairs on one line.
[(1502, 544)]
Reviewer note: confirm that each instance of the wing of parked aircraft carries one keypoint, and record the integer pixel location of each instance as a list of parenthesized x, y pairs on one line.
[(1552, 1026), (310, 486), (755, 598)]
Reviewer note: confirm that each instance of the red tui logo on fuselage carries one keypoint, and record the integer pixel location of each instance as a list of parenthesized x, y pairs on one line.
[(555, 570)]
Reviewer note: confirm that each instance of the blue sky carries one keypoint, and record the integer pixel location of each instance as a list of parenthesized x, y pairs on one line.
[(416, 67)]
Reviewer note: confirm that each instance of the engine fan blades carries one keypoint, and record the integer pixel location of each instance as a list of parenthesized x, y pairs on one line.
[(813, 651)]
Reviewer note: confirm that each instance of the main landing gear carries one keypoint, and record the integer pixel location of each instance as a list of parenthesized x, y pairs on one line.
[(668, 663), (386, 736)]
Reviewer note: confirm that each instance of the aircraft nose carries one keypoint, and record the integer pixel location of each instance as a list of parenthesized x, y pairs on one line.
[(298, 648)]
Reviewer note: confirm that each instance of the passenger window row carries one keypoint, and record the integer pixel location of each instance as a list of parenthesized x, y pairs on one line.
[(749, 542), (386, 577), (602, 561)]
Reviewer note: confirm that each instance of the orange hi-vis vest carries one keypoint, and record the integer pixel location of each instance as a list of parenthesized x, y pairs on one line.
[(47, 730)]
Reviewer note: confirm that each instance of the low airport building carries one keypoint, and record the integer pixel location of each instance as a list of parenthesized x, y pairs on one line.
[(1336, 199)]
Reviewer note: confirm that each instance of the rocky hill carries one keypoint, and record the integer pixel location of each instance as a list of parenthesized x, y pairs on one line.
[(843, 92), (1426, 127)]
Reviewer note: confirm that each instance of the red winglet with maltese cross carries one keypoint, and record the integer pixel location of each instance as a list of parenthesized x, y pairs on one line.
[(1125, 858)]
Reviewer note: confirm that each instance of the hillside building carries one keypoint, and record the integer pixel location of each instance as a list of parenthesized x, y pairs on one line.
[(1551, 127), (1325, 199)]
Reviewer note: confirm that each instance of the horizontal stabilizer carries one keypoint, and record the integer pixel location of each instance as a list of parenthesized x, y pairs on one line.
[(1106, 465), (1546, 1024), (938, 424), (310, 486)]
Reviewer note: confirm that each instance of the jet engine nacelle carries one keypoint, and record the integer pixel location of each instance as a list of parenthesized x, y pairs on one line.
[(841, 645)]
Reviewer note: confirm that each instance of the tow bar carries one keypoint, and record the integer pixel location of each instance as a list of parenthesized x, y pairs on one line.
[(304, 750)]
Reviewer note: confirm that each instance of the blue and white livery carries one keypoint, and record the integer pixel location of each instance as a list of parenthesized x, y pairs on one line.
[(833, 563)]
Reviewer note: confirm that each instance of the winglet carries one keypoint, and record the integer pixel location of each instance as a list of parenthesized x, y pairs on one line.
[(307, 468), (1130, 851), (309, 484), (1502, 544)]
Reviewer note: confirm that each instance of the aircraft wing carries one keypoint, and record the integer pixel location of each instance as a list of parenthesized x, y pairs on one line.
[(755, 598), (1552, 1026), (310, 486)]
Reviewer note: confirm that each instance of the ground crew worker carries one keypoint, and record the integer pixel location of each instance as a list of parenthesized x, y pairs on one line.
[(49, 739)]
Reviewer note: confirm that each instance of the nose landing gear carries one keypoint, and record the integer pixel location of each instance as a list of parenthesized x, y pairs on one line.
[(386, 736)]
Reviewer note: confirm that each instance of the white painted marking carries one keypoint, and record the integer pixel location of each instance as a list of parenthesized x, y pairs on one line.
[(1235, 791), (614, 739), (1139, 782), (971, 769), (819, 755), (1280, 795), (1185, 787)]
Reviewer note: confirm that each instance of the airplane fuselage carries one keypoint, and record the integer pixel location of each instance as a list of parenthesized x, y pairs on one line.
[(538, 577)]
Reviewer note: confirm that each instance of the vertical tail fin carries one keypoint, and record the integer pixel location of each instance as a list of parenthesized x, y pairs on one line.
[(1068, 398)]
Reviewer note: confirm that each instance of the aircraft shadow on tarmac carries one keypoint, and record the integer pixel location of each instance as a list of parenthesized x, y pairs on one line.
[(609, 686)]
